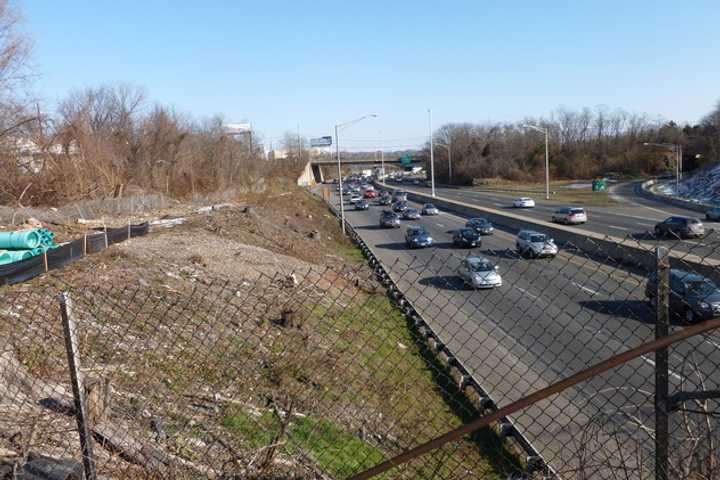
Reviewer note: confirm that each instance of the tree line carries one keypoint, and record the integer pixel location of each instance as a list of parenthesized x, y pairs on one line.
[(582, 144)]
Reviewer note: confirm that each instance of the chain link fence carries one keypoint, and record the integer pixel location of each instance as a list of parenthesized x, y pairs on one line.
[(168, 372)]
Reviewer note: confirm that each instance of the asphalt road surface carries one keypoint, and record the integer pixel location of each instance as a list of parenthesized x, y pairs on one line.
[(550, 319), (633, 216)]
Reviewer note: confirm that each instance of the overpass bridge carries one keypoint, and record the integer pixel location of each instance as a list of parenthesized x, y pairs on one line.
[(313, 169)]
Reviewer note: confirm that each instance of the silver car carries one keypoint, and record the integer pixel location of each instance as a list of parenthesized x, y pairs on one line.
[(479, 272), (534, 244), (430, 209)]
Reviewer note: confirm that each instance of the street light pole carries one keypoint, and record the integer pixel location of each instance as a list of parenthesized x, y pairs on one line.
[(337, 152), (546, 131), (342, 202), (677, 148), (382, 165), (432, 154)]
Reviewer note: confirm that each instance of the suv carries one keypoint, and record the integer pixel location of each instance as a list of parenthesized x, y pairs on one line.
[(570, 215), (535, 244), (480, 225), (399, 196), (681, 227), (389, 219), (417, 237), (692, 296)]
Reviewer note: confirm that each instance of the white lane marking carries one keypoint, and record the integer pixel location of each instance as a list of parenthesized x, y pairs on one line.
[(585, 289), (618, 228), (646, 224), (497, 204), (696, 244), (652, 362), (440, 225), (525, 292)]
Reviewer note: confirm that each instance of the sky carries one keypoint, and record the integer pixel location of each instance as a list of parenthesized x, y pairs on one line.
[(285, 65)]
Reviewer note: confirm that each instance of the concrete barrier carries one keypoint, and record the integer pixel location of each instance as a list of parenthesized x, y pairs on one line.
[(646, 191), (604, 248)]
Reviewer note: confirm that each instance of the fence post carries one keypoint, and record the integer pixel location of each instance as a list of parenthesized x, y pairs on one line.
[(73, 355), (662, 328)]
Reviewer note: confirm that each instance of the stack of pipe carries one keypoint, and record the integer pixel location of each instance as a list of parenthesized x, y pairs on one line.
[(24, 244)]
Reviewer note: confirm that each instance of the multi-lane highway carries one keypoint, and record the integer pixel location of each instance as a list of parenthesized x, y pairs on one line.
[(632, 215), (551, 318)]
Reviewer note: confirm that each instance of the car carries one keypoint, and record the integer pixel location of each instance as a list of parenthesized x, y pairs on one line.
[(417, 237), (680, 227), (355, 197), (479, 272), (399, 196), (384, 200), (524, 202), (692, 296), (535, 244), (428, 184), (411, 214), (430, 209), (481, 226), (467, 237), (399, 207), (713, 214), (570, 215), (416, 182), (362, 204), (370, 194), (389, 219)]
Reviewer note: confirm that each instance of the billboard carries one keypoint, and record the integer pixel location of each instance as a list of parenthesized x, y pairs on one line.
[(321, 142), (237, 128)]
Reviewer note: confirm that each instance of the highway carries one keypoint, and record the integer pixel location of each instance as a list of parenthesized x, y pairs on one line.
[(550, 319), (633, 216)]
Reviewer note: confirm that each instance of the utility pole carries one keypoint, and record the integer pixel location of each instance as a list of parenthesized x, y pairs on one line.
[(432, 154)]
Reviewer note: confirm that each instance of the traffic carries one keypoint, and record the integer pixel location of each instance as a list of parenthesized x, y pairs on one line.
[(479, 272)]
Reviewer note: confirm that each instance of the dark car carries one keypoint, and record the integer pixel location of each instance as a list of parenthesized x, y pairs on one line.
[(384, 200), (481, 226), (681, 227), (692, 296), (399, 207), (467, 237), (411, 214), (713, 214), (389, 219), (362, 205), (417, 237)]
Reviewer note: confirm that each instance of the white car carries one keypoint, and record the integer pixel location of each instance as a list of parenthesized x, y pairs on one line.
[(570, 216), (524, 202), (535, 245), (355, 197), (479, 272)]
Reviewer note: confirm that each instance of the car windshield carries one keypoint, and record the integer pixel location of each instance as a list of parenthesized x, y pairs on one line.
[(429, 205), (482, 266), (410, 211), (576, 210), (701, 288), (693, 221), (537, 238), (468, 232), (416, 231)]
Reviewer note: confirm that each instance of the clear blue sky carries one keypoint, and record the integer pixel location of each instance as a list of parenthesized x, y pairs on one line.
[(283, 63)]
